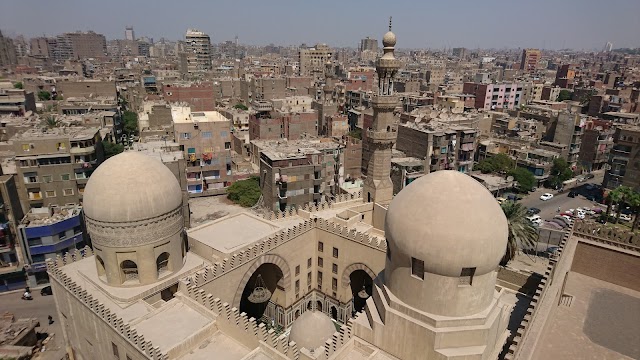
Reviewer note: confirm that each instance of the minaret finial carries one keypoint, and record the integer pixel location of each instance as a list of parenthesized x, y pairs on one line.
[(390, 23)]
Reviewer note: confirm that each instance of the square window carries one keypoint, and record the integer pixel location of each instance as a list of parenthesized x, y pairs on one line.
[(65, 177), (297, 270), (297, 285), (309, 263), (185, 136), (309, 278), (320, 262), (26, 147), (206, 134), (334, 268), (334, 284), (335, 253), (320, 246), (227, 146), (319, 279), (68, 192), (417, 268), (47, 178), (50, 193), (466, 276)]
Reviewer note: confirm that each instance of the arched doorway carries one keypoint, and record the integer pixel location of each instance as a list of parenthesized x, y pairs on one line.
[(361, 285), (100, 266), (309, 305), (162, 263), (266, 276), (319, 305), (129, 271), (334, 313), (296, 315)]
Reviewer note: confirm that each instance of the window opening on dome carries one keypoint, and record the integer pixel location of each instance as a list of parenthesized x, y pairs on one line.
[(388, 252), (466, 276), (417, 268)]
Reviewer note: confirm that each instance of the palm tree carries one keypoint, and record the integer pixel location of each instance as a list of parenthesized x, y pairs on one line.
[(619, 196), (51, 122), (522, 233), (634, 202)]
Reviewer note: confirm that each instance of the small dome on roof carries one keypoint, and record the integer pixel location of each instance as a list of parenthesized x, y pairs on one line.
[(311, 330), (130, 187)]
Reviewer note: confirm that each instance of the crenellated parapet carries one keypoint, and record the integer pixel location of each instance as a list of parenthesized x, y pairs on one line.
[(613, 236), (540, 294), (230, 316), (115, 322), (340, 201)]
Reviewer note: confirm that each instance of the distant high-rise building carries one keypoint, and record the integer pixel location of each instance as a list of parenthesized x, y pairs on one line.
[(79, 45), (7, 52), (129, 34), (369, 44), (313, 60), (40, 47), (608, 47), (459, 52), (198, 51), (530, 58)]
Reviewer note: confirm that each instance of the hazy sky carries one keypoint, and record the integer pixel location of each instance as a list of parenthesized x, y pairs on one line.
[(549, 24)]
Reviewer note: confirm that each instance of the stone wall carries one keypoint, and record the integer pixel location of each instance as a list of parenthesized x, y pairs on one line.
[(609, 264), (80, 297)]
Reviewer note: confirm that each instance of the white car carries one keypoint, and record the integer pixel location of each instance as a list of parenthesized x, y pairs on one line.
[(546, 196), (625, 217), (535, 220)]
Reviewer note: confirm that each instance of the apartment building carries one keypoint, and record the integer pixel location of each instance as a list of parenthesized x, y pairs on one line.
[(46, 233), (530, 59), (201, 95), (16, 101), (197, 51), (279, 124), (54, 165), (11, 259), (568, 131), (7, 52), (441, 146), (537, 161), (205, 138), (404, 171), (624, 169), (312, 60), (597, 142), (78, 45), (267, 88), (495, 96), (295, 173)]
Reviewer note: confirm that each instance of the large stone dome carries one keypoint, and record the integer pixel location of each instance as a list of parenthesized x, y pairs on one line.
[(311, 330), (131, 187), (449, 221)]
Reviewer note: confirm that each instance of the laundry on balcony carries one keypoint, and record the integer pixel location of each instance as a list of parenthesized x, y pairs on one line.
[(192, 157), (207, 156)]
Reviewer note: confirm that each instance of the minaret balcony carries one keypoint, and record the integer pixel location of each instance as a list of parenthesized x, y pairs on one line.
[(382, 135)]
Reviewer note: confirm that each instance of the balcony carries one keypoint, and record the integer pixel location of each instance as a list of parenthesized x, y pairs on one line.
[(382, 136)]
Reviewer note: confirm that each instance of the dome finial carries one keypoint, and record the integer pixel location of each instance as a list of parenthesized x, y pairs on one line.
[(390, 23)]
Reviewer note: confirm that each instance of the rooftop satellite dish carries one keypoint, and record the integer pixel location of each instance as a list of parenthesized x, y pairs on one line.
[(509, 178)]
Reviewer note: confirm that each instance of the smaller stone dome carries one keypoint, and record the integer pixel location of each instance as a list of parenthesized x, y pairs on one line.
[(311, 330), (389, 39), (130, 187)]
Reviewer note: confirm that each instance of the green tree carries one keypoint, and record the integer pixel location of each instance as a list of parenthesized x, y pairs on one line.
[(522, 233), (51, 122), (356, 133), (526, 180), (58, 97), (18, 85), (241, 107), (560, 172), (130, 120), (499, 163), (245, 192), (634, 201), (564, 95), (111, 149), (44, 95), (620, 196)]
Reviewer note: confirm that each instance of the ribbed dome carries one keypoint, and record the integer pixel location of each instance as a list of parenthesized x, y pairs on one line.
[(311, 330), (131, 187), (450, 221)]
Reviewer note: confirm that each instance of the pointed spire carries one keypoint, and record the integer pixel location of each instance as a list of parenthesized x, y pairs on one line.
[(390, 23)]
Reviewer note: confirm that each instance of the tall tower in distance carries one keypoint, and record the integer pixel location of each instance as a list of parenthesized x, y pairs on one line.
[(382, 135), (129, 34)]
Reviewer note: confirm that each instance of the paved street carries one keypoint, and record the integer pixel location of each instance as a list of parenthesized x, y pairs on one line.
[(40, 307)]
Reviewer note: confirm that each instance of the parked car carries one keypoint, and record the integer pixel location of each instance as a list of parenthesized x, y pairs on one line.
[(546, 196), (533, 211), (589, 176), (572, 194), (46, 291), (625, 217), (501, 200), (535, 220)]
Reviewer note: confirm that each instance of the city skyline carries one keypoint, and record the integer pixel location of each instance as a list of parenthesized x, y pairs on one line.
[(581, 23)]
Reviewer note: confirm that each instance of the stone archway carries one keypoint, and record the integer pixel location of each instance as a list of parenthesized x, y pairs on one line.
[(346, 273), (264, 259)]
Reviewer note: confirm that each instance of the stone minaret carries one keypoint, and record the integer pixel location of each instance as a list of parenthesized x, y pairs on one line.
[(382, 135)]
